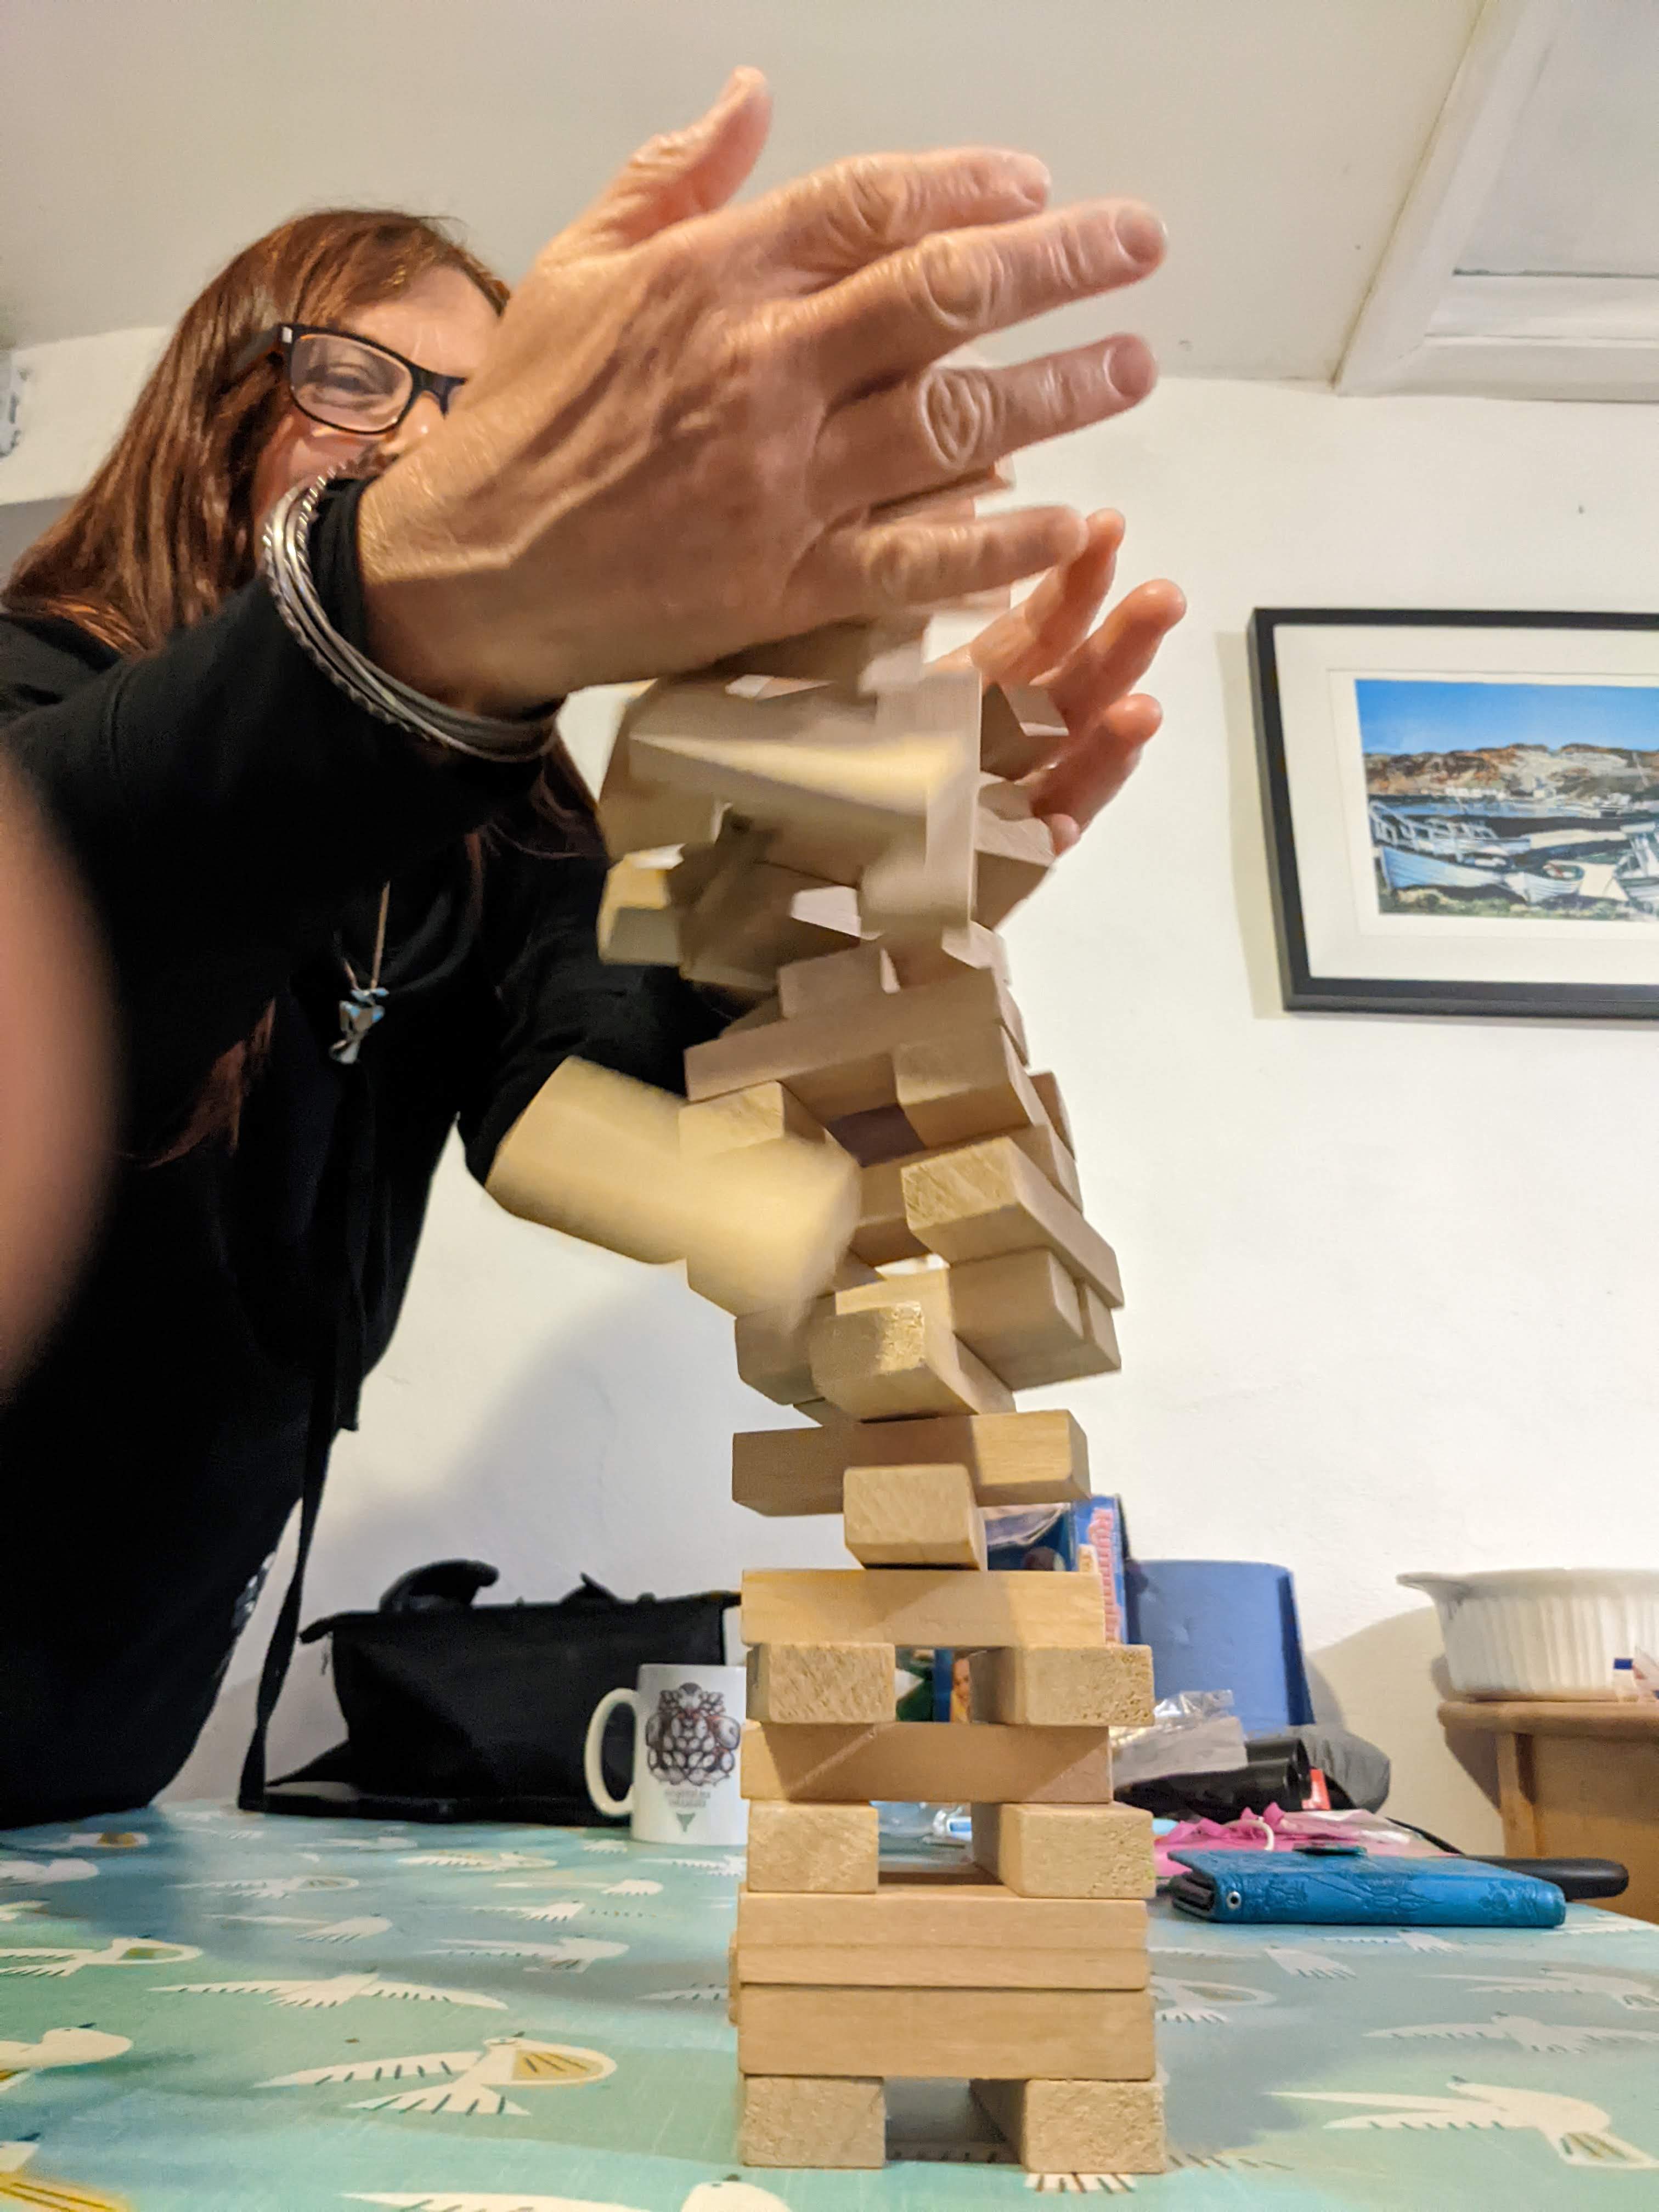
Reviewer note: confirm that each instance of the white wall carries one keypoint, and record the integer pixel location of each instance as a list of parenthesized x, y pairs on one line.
[(1392, 1301)]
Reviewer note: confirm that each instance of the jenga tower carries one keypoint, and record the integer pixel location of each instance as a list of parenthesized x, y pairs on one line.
[(973, 1274)]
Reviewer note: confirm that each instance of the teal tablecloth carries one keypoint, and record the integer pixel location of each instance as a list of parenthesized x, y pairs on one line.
[(201, 2013)]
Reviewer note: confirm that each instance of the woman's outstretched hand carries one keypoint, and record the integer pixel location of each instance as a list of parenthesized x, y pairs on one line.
[(680, 440)]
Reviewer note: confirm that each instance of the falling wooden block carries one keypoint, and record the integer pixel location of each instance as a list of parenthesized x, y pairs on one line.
[(1080, 2127), (1021, 730), (774, 1354), (912, 1517), (792, 2120), (759, 1116), (841, 1062), (988, 1199), (1067, 1850), (1107, 1686), (839, 979), (1015, 851), (744, 927), (933, 2033), (953, 1088), (924, 882), (635, 817), (1014, 1459), (828, 1849), (817, 1683), (866, 655), (935, 960), (888, 1350), (639, 923), (599, 1156), (921, 1606), (1024, 1318), (961, 1763)]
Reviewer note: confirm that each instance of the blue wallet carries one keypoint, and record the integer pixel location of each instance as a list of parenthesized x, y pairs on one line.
[(1394, 1892)]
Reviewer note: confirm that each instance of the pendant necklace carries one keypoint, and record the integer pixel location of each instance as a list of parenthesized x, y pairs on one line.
[(364, 1004)]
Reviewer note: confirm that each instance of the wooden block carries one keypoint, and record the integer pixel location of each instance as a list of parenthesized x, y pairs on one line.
[(940, 1966), (1015, 1459), (1014, 849), (980, 1916), (1048, 1092), (1080, 2127), (912, 1517), (841, 1062), (758, 1116), (935, 960), (635, 817), (599, 1156), (1065, 1850), (817, 1849), (805, 1683), (923, 1606), (1107, 1686), (962, 1762), (883, 1234), (743, 928), (839, 979), (792, 2120), (756, 1018), (953, 1088), (1044, 1150), (774, 1354), (866, 655), (888, 1350), (1022, 1316), (987, 1199), (924, 881), (639, 922), (1021, 730), (929, 2033), (1097, 1321)]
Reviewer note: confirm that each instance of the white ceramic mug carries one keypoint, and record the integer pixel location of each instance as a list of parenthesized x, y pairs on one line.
[(688, 1729)]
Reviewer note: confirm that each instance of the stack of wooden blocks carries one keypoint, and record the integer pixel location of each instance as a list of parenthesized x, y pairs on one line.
[(829, 790)]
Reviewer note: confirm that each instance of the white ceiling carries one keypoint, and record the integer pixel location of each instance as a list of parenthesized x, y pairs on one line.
[(141, 141)]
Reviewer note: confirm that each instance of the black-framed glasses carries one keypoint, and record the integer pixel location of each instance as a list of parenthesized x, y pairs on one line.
[(347, 382)]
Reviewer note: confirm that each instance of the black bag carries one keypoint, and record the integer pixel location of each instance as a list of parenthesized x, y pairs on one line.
[(454, 1713)]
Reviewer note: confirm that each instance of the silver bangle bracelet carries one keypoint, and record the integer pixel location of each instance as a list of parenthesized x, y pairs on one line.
[(285, 565)]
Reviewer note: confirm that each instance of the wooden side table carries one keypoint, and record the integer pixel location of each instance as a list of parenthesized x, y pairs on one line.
[(1576, 1779)]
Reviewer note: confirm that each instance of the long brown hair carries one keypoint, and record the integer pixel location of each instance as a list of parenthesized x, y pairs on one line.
[(164, 532)]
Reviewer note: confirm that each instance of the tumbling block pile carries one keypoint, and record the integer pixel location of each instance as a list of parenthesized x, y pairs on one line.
[(825, 828)]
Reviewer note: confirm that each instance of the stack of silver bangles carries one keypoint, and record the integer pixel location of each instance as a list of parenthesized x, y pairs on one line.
[(285, 564)]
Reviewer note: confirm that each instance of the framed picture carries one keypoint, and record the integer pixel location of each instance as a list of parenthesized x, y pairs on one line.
[(1462, 809)]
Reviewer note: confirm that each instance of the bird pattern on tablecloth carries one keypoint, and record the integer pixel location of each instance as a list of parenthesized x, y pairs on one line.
[(1187, 2003), (1632, 1992), (56, 1962), (571, 1953), (471, 2080), (1576, 2129), (275, 1886), (1517, 2029), (323, 1996), (556, 1909), (59, 2047), (357, 1930), (36, 1871)]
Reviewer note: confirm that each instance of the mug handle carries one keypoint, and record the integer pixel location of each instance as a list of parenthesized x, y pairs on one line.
[(593, 1772)]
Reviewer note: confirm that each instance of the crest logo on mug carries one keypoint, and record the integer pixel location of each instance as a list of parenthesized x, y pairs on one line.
[(688, 1732)]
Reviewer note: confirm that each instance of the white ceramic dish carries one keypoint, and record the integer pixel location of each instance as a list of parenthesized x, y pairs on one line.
[(1542, 1632)]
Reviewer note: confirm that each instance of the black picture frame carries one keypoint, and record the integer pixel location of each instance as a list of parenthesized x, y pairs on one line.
[(1305, 992)]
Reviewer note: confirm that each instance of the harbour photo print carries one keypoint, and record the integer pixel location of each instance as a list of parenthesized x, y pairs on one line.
[(1509, 799), (1462, 809)]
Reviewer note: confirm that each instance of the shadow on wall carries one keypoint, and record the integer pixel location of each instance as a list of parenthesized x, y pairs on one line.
[(1386, 1682), (607, 1452)]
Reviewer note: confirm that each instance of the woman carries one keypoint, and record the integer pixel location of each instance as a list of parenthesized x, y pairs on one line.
[(331, 939)]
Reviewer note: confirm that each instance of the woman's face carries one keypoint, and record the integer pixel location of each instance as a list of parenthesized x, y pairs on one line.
[(443, 322)]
